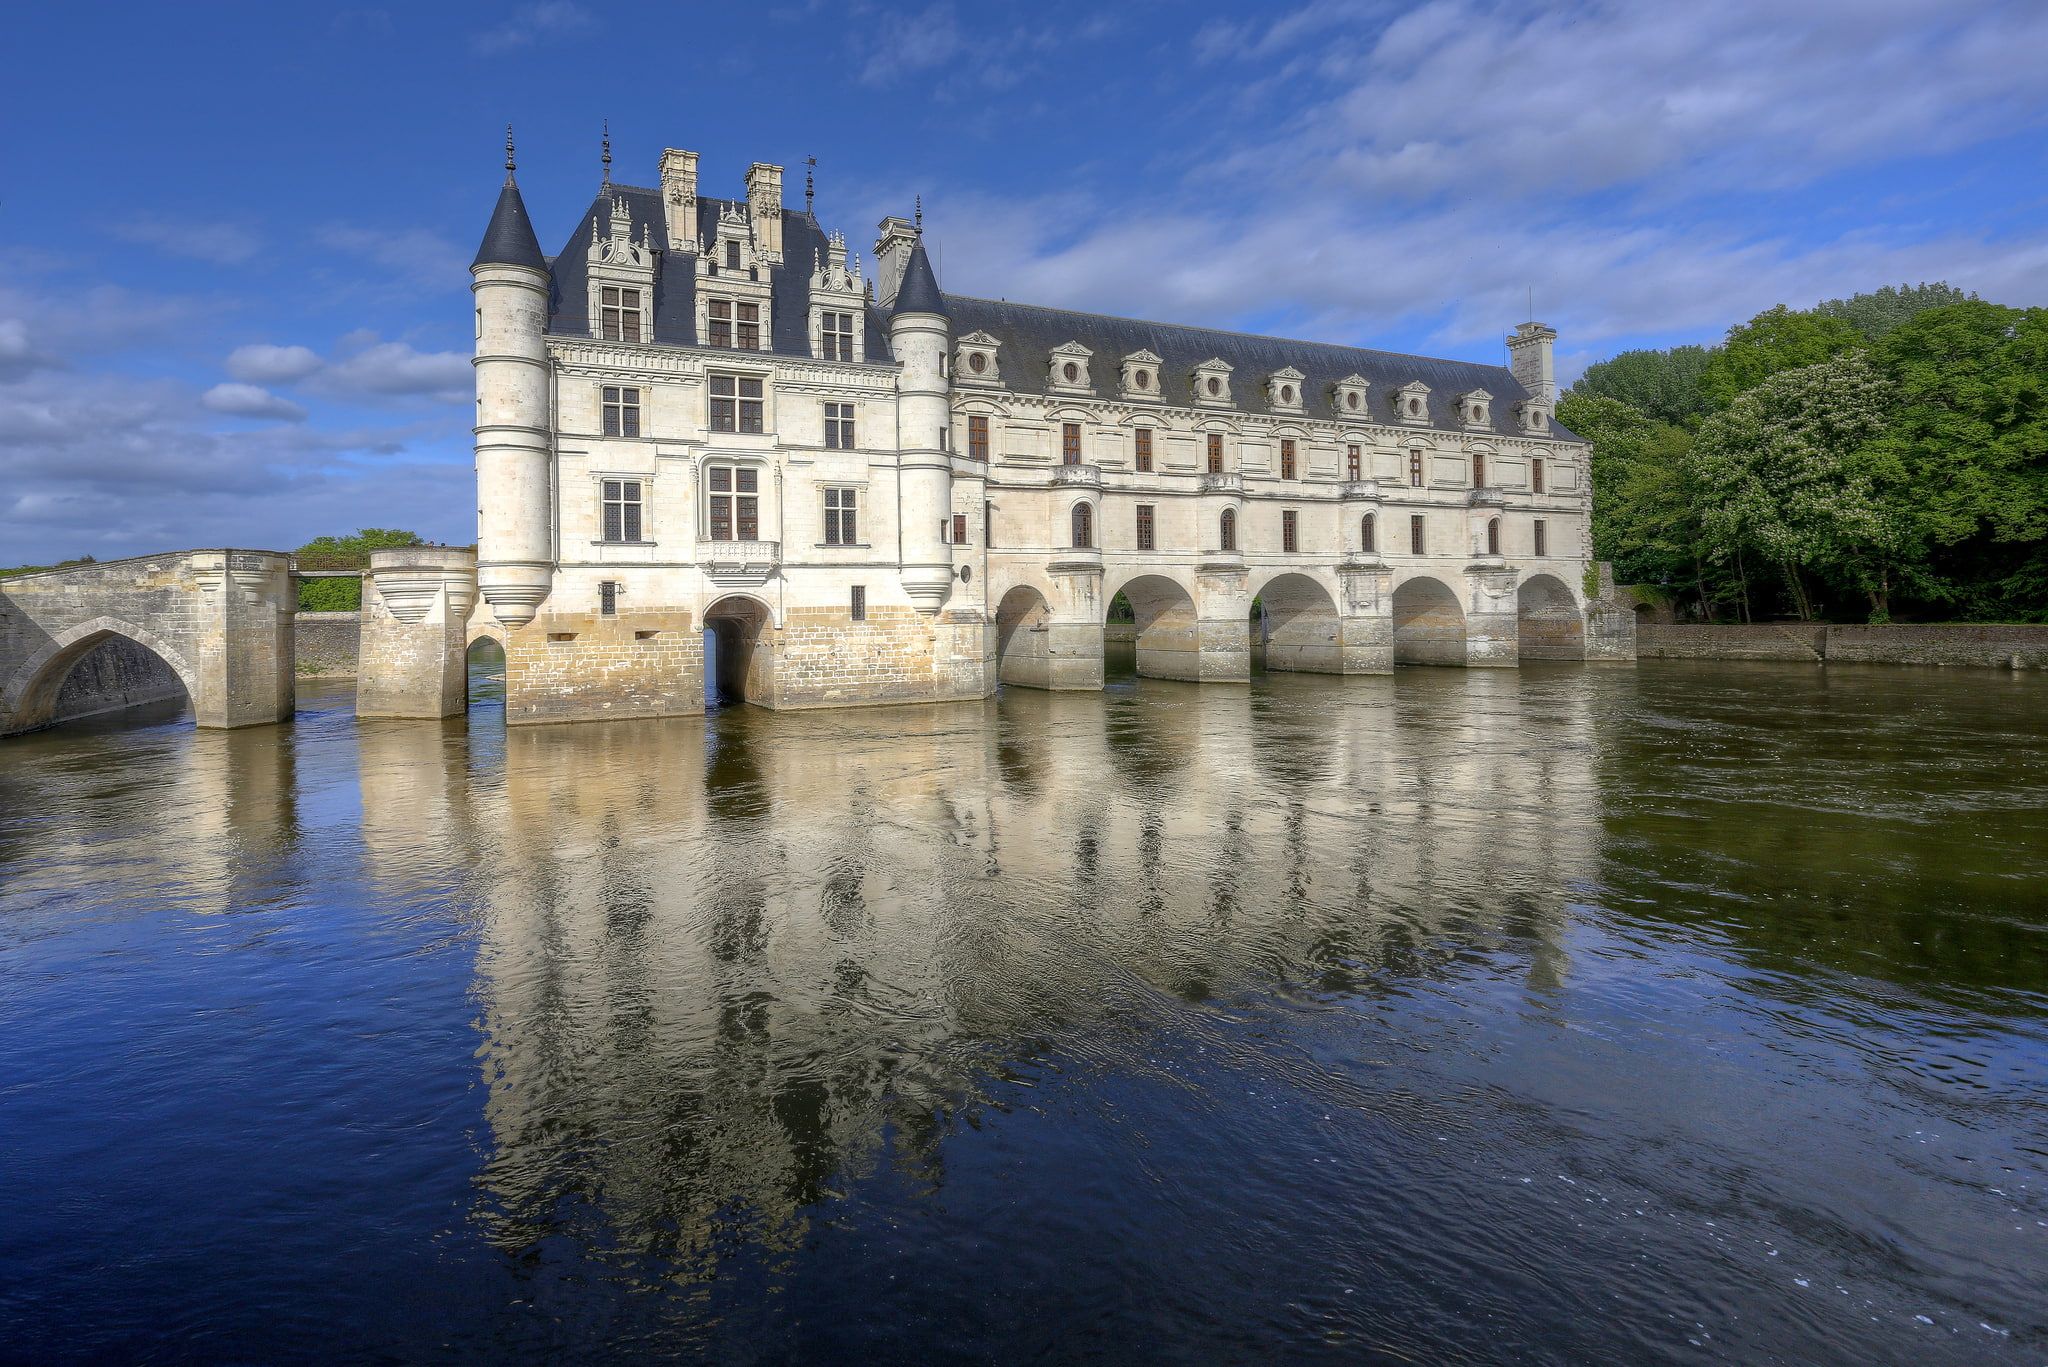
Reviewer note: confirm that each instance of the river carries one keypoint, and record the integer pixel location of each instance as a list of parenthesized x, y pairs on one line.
[(1684, 1013)]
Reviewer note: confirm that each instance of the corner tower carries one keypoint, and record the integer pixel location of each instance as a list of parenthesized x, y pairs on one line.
[(921, 336), (514, 543)]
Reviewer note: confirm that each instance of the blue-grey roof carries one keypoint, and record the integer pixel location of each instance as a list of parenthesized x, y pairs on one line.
[(1029, 333), (509, 241), (675, 276), (919, 290)]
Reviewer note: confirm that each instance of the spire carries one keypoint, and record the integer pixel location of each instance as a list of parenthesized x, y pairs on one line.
[(920, 215), (919, 292), (509, 241), (607, 154), (810, 185)]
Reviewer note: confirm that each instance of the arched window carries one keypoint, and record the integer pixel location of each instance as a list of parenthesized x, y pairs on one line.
[(1226, 530), (1365, 535), (1493, 536), (1084, 526)]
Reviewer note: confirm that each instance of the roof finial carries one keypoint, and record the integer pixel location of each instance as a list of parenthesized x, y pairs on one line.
[(920, 215), (511, 163), (810, 185), (607, 154)]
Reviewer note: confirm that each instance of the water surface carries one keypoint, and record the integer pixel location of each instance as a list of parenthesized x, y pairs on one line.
[(1687, 1013)]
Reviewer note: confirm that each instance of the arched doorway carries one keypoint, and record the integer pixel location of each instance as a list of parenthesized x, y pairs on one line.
[(1429, 625), (1548, 625), (484, 669), (1024, 638), (1168, 632), (94, 669), (739, 658), (1301, 626)]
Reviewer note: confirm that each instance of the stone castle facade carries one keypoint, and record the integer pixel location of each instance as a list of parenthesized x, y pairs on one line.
[(710, 436)]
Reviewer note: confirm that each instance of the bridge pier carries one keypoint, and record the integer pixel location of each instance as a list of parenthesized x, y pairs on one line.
[(413, 656)]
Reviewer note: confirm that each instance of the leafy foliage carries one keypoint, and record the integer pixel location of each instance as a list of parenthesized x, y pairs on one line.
[(352, 552), (1775, 340), (330, 595), (1876, 313), (1661, 384)]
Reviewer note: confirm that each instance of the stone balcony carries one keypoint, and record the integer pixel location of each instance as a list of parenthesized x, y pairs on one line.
[(739, 562), (1487, 497), (1221, 482), (1076, 560), (1220, 562), (1085, 476), (1360, 491)]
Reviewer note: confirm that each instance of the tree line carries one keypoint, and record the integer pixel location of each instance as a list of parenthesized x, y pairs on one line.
[(1880, 456)]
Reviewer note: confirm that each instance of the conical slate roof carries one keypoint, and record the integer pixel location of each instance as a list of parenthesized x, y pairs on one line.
[(919, 292), (509, 241)]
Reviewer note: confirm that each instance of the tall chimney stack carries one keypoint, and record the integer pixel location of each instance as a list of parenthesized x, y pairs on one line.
[(1530, 359)]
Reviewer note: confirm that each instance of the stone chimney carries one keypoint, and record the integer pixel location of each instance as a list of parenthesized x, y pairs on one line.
[(764, 208), (1530, 360), (892, 251), (679, 198)]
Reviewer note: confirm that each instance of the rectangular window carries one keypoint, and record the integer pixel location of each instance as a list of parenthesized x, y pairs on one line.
[(735, 403), (959, 529), (735, 502), (1415, 534), (621, 411), (835, 334), (608, 598), (618, 314), (1351, 463), (977, 438), (1287, 458), (1070, 443), (841, 524), (1478, 471), (720, 311), (1536, 475), (1143, 448), (1215, 453), (622, 510), (1287, 529), (748, 327), (1415, 468), (857, 608), (732, 254), (1542, 539), (839, 426), (1145, 527)]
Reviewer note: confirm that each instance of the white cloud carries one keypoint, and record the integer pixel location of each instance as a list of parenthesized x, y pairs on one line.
[(223, 244), (419, 255), (251, 401), (263, 364), (528, 24)]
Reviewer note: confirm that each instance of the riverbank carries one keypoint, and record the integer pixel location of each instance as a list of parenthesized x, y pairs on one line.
[(1969, 645)]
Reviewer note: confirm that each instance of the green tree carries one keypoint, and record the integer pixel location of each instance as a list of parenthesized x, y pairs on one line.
[(1642, 521), (1877, 312), (1783, 473), (353, 552), (1660, 384), (1776, 340)]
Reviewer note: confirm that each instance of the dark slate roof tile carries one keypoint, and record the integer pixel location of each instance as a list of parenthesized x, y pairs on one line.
[(509, 241)]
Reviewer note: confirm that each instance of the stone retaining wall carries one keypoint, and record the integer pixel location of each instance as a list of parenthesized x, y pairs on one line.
[(327, 644), (1998, 647)]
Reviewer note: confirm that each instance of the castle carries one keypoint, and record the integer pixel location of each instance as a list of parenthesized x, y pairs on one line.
[(709, 436)]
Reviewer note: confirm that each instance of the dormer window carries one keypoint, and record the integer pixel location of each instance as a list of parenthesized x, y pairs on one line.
[(974, 359), (1212, 383), (732, 254), (1534, 416), (619, 314), (1283, 390), (835, 335), (1070, 367), (1347, 396), (1411, 402), (735, 324), (1473, 407)]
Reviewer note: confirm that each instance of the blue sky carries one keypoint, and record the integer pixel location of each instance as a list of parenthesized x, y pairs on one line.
[(235, 304)]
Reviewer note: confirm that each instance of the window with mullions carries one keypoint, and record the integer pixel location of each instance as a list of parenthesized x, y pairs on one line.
[(622, 510), (1145, 527), (1084, 527), (841, 517), (619, 314), (734, 324), (1215, 453), (1415, 468), (1287, 458), (977, 438), (1289, 535), (1415, 541), (735, 502), (1536, 475), (608, 598), (1070, 443), (621, 411), (1352, 463), (735, 403), (835, 335), (839, 426), (1366, 538), (1542, 540), (1143, 438)]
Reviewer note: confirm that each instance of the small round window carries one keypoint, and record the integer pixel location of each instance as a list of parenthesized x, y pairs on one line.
[(1215, 385), (1071, 371), (1287, 393), (1351, 401), (1414, 405), (1142, 379), (977, 362)]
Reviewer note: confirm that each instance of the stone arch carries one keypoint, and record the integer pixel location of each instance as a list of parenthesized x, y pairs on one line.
[(1024, 638), (1168, 627), (740, 645), (1429, 623), (30, 696), (1548, 622), (1303, 629)]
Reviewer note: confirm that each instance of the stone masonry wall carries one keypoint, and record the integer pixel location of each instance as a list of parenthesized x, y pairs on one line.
[(587, 667), (2003, 647), (327, 644), (824, 658)]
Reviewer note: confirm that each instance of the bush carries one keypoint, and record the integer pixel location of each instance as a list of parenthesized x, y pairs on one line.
[(330, 595)]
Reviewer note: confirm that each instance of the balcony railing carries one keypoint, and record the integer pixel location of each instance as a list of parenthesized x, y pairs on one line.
[(1357, 489), (1221, 482), (739, 561), (1487, 497), (1087, 476)]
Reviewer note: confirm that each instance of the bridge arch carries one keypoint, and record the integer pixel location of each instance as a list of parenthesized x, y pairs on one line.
[(1549, 624), (1302, 624), (741, 664), (29, 697), (1023, 638), (1429, 623), (1169, 635)]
